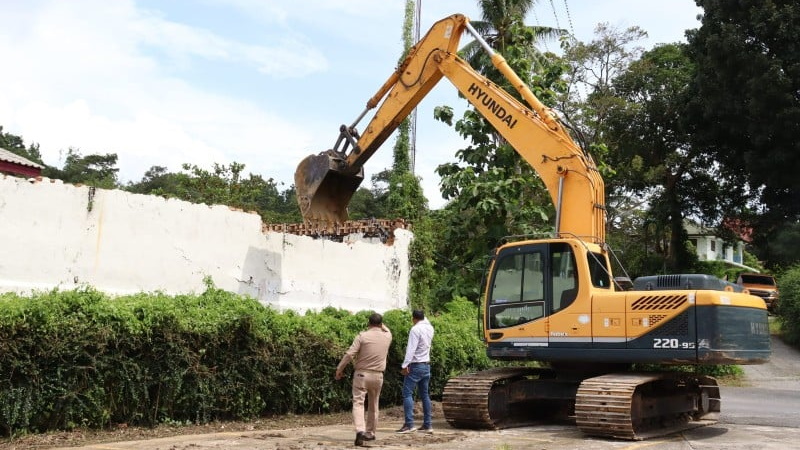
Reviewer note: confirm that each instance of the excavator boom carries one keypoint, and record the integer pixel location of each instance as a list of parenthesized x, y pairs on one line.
[(326, 182)]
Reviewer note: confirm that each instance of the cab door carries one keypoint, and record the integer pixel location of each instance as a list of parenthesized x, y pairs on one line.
[(569, 321), (517, 304)]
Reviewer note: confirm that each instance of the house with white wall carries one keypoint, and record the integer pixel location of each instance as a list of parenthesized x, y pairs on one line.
[(710, 247)]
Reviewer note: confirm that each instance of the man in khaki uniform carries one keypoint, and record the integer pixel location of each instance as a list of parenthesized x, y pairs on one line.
[(368, 351)]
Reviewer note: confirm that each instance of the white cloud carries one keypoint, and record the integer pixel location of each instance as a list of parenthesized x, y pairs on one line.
[(116, 76), (330, 11), (83, 81), (287, 56)]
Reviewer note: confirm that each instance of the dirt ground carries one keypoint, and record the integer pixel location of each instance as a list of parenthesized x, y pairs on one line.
[(311, 431), (82, 438)]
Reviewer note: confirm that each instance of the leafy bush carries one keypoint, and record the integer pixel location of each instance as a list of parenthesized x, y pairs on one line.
[(82, 359), (789, 305)]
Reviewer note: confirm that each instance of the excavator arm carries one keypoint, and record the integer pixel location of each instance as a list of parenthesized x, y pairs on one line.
[(325, 182)]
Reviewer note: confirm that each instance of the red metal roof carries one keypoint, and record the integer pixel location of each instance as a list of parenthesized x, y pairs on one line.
[(15, 164)]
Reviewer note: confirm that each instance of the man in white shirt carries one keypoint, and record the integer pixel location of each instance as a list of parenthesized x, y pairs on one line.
[(416, 368)]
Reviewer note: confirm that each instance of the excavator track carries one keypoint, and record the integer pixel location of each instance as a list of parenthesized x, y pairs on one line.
[(483, 400), (638, 406), (625, 405)]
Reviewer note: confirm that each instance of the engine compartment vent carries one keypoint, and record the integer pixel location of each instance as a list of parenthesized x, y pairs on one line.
[(658, 302), (696, 281)]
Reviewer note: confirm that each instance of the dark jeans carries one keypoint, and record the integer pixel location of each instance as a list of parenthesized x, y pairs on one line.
[(419, 377)]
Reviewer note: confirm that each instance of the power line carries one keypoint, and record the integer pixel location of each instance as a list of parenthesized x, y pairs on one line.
[(540, 24), (569, 19), (555, 14)]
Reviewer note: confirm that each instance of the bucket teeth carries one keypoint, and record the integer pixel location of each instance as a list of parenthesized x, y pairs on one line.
[(324, 188)]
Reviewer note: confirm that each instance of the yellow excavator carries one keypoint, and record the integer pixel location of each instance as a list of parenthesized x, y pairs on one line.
[(555, 300)]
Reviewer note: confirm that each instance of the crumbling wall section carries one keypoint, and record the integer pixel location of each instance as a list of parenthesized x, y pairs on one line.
[(55, 235)]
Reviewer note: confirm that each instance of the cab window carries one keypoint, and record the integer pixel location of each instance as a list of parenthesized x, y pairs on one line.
[(530, 283), (517, 294), (597, 271), (564, 279)]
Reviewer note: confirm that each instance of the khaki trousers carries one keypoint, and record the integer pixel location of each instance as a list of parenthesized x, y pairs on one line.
[(366, 384)]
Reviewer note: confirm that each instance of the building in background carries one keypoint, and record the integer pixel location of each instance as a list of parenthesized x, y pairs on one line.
[(710, 247), (13, 164)]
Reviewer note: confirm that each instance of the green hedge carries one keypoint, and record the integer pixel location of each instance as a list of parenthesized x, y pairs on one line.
[(83, 359), (789, 305)]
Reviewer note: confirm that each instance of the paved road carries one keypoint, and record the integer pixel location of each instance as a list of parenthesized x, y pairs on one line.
[(759, 406), (781, 372), (774, 396)]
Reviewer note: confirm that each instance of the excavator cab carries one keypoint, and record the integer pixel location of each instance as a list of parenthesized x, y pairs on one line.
[(324, 189)]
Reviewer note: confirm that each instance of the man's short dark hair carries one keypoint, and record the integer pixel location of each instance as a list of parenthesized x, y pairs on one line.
[(375, 319), (418, 314)]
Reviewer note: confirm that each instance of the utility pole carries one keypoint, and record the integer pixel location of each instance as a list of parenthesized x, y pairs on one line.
[(413, 140)]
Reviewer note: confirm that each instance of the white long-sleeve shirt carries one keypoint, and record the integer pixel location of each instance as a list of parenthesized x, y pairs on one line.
[(418, 349)]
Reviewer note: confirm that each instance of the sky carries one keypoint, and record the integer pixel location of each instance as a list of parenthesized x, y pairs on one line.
[(259, 82)]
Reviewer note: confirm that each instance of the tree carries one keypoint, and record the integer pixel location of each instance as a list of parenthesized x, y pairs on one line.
[(746, 106), (784, 246), (500, 25), (223, 185), (592, 67), (156, 181), (395, 192), (492, 192), (405, 197), (94, 170), (16, 145), (370, 203), (586, 106), (653, 155)]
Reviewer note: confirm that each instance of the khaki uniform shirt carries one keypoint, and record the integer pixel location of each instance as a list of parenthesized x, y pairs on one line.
[(369, 350)]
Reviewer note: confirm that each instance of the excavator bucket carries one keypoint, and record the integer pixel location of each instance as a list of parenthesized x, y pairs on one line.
[(323, 189)]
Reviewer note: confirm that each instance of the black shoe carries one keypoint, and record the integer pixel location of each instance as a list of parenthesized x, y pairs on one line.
[(406, 429), (428, 429), (369, 436), (360, 438)]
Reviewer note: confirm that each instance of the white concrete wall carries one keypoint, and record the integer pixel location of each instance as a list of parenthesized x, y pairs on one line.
[(54, 235)]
